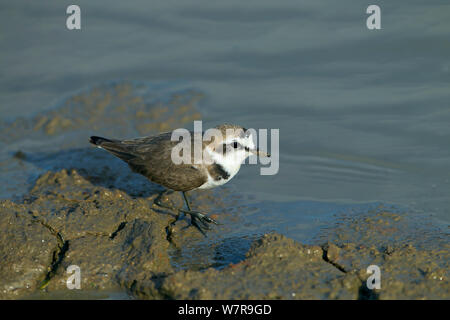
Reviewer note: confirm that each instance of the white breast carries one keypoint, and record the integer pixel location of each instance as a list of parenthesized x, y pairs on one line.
[(230, 164), (211, 183)]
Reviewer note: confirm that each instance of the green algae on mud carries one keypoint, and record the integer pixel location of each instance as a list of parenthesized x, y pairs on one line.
[(121, 244)]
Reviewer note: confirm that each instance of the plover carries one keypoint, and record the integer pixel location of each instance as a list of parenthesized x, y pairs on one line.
[(152, 157)]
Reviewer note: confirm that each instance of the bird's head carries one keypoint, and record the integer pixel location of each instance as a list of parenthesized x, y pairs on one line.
[(235, 145)]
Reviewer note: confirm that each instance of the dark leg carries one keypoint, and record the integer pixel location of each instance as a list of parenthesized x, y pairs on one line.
[(158, 202), (186, 200), (197, 217)]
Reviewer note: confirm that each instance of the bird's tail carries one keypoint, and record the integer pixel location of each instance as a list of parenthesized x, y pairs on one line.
[(113, 146), (98, 140)]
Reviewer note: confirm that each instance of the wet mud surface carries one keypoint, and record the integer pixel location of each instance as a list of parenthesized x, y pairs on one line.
[(65, 203)]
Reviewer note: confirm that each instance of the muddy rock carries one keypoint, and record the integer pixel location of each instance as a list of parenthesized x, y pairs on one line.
[(27, 248), (412, 266), (275, 268), (406, 272), (138, 252), (113, 238)]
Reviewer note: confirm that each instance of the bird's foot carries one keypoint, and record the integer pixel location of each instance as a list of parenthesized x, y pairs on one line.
[(200, 220)]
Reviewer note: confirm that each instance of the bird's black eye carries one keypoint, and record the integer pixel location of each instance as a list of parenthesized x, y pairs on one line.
[(235, 145)]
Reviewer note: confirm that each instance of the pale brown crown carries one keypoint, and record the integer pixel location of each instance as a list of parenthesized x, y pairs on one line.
[(225, 126), (225, 129)]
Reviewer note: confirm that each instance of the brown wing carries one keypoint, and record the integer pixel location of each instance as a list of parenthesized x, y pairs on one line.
[(151, 157)]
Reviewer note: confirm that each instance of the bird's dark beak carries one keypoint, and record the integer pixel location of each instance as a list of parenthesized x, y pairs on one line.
[(259, 153)]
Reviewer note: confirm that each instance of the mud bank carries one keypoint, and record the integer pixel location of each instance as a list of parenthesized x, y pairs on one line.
[(128, 244)]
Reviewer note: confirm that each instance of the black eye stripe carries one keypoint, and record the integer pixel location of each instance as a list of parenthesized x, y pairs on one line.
[(234, 144)]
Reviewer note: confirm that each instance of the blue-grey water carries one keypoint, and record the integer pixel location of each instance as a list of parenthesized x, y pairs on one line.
[(364, 115)]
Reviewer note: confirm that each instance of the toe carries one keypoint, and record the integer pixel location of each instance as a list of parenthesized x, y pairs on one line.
[(194, 222)]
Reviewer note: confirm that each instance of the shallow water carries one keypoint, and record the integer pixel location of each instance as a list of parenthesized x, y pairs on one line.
[(363, 115)]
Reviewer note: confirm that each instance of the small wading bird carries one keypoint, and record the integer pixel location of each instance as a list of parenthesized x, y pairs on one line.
[(152, 157)]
